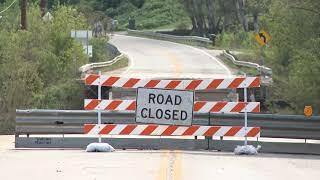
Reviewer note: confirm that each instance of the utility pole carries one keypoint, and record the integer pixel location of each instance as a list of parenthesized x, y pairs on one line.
[(43, 4), (23, 7)]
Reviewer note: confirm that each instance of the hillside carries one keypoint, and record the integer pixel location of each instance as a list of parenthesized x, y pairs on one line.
[(153, 14), (149, 14)]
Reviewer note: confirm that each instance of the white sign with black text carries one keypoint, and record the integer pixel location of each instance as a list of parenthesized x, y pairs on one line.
[(162, 106)]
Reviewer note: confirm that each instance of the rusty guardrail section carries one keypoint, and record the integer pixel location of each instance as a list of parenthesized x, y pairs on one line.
[(62, 129)]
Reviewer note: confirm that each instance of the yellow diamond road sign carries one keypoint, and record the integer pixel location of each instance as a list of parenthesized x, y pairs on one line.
[(263, 37)]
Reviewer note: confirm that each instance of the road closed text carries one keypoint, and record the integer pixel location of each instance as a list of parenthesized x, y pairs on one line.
[(164, 106), (166, 114)]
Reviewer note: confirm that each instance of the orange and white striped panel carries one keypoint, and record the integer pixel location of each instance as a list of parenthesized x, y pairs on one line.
[(198, 84), (170, 130), (226, 107), (199, 106)]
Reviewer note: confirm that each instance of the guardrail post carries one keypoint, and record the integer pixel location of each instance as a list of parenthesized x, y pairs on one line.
[(209, 138)]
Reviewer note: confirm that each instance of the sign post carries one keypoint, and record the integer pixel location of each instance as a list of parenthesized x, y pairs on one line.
[(245, 114), (263, 38), (162, 106), (99, 98)]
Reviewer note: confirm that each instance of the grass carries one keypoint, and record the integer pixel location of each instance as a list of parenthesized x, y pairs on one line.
[(249, 57)]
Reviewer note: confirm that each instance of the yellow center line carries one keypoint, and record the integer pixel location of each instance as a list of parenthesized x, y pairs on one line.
[(170, 167), (162, 174), (177, 170), (175, 61)]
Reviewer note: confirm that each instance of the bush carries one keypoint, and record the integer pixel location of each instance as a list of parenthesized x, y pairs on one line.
[(237, 40), (181, 26), (100, 53)]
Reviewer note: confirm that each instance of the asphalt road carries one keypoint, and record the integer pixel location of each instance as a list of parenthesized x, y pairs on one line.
[(50, 164), (161, 59)]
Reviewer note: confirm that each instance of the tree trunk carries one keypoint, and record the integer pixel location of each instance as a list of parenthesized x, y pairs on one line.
[(191, 13), (23, 6), (240, 5), (211, 16), (255, 22), (218, 27), (199, 17), (227, 11), (237, 5), (43, 4), (194, 23), (203, 15)]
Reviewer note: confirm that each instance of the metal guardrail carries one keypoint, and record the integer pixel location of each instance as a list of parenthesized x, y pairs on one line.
[(51, 121), (64, 122), (87, 67), (263, 69), (191, 40), (274, 126)]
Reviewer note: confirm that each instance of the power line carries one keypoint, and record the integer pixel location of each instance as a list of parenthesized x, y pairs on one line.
[(8, 7)]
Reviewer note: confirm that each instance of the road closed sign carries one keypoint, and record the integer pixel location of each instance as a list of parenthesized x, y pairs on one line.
[(161, 106)]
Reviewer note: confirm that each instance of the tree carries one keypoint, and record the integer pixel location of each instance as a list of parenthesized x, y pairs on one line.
[(257, 8)]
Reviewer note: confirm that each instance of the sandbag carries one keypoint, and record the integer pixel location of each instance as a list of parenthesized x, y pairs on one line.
[(99, 147)]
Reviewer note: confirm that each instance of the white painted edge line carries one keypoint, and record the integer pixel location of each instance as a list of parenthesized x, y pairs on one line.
[(214, 58)]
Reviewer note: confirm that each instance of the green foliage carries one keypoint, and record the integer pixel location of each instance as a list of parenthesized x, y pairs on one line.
[(236, 40), (295, 52), (147, 13), (152, 14), (258, 6), (100, 51), (66, 94), (39, 67), (181, 26), (249, 56)]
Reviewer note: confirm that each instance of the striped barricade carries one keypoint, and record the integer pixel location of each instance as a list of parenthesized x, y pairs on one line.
[(199, 106), (170, 130), (196, 84)]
